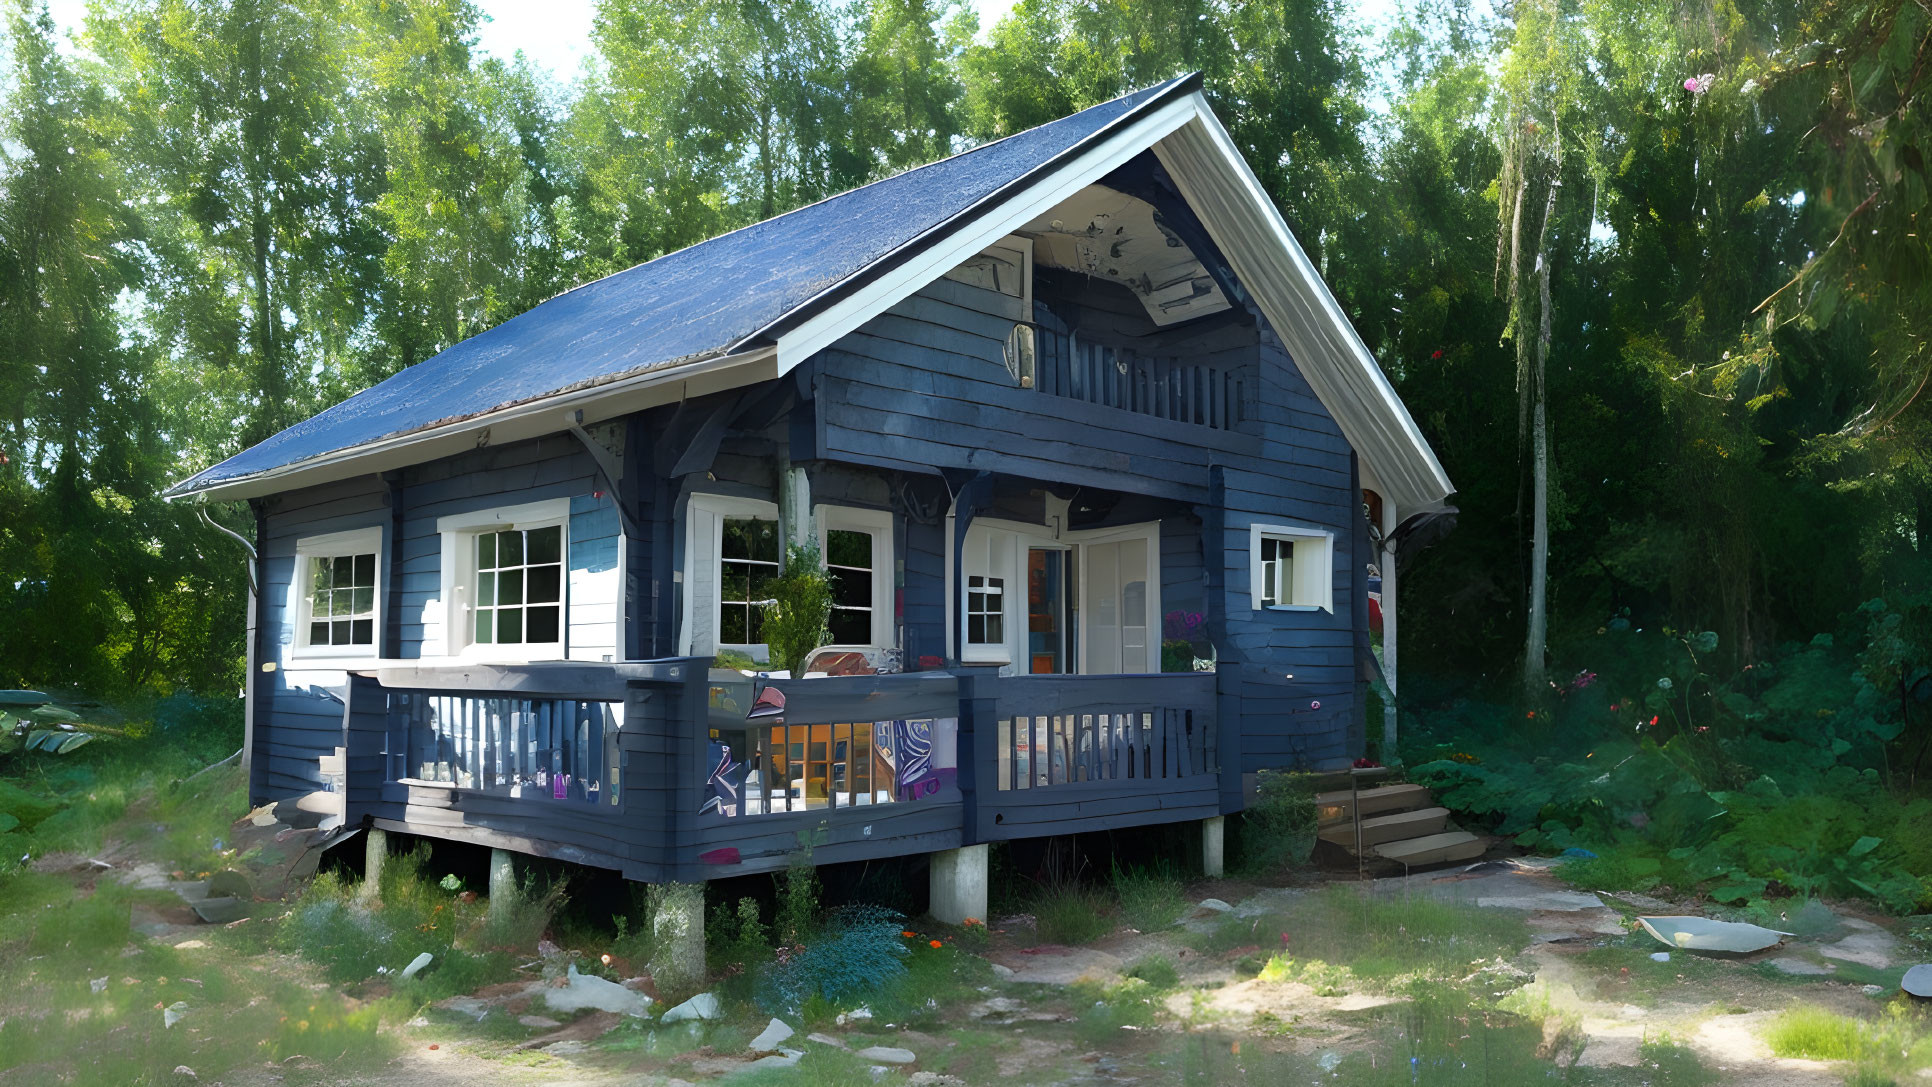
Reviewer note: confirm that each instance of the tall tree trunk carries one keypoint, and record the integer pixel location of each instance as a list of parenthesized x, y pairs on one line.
[(1537, 181)]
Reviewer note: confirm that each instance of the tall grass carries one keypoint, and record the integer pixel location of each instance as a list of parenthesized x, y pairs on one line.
[(1151, 896)]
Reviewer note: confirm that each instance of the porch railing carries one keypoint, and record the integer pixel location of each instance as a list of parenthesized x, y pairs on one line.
[(1166, 387)]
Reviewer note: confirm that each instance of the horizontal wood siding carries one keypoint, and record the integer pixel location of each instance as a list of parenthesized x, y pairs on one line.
[(923, 387), (304, 718)]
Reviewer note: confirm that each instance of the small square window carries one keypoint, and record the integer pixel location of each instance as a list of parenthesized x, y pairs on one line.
[(1292, 568)]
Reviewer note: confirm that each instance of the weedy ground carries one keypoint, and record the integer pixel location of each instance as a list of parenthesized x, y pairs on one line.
[(1121, 978)]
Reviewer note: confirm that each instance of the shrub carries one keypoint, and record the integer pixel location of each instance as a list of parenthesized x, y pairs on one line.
[(1151, 897), (1071, 914), (1158, 971), (801, 605), (858, 951), (1279, 828)]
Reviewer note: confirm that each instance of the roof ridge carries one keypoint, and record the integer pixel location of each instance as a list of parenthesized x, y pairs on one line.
[(879, 181)]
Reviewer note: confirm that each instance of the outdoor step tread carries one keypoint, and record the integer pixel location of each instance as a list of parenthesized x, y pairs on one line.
[(1387, 828), (1449, 845), (1333, 807)]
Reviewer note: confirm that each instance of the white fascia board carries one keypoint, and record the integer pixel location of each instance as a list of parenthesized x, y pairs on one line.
[(821, 331), (1242, 220), (546, 415)]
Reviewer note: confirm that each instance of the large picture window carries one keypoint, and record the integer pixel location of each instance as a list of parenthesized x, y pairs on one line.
[(335, 598)]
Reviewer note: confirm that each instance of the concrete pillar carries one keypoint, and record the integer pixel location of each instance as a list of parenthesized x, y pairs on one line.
[(503, 884), (677, 924), (959, 884), (1213, 853), (375, 851)]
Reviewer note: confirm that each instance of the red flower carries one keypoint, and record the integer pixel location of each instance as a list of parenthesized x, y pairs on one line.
[(1436, 354), (1653, 721), (937, 943)]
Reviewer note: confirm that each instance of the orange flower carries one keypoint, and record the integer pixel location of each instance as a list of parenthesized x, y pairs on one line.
[(936, 943), (908, 934)]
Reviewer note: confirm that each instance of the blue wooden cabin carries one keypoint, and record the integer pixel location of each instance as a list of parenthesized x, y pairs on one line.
[(1086, 442)]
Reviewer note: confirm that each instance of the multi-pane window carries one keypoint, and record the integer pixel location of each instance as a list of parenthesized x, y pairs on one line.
[(342, 599), (851, 562), (1277, 571), (985, 610), (519, 586), (747, 563)]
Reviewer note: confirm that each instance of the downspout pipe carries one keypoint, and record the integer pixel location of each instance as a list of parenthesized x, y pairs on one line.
[(202, 510)]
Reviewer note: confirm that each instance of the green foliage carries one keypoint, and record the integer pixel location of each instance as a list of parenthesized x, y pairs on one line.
[(857, 951), (1764, 782), (1151, 897), (798, 902), (1071, 913), (795, 621), (1278, 829), (736, 944), (353, 939)]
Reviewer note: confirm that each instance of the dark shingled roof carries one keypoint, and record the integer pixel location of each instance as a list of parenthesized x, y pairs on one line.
[(693, 303)]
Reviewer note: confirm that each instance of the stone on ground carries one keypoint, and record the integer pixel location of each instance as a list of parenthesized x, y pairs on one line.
[(219, 911), (885, 1054), (702, 1006), (583, 992), (417, 965), (538, 1022), (1797, 967), (1868, 945), (826, 1040), (229, 883), (769, 1039), (784, 1058), (174, 1013)]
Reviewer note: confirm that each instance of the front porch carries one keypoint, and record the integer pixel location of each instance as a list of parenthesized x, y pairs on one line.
[(673, 771)]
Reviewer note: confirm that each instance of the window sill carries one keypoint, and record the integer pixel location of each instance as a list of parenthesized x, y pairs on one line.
[(1294, 607)]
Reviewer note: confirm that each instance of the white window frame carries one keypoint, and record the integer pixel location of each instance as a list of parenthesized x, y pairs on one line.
[(1313, 584), (357, 541), (878, 525), (720, 506), (1150, 532), (459, 532)]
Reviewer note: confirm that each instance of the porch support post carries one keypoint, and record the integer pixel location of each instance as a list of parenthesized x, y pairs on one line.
[(1213, 854), (503, 884), (1386, 557), (677, 923), (375, 851), (959, 884)]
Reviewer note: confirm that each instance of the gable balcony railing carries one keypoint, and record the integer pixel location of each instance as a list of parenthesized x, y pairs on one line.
[(1163, 386)]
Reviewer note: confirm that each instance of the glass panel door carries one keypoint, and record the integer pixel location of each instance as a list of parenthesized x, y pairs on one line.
[(1114, 607), (1046, 611)]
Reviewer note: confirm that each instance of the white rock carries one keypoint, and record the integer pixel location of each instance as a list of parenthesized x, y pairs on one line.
[(1002, 972), (473, 1007), (702, 1006), (771, 1037), (827, 1040), (885, 1054), (185, 1072), (538, 1022), (1212, 905), (190, 945), (784, 1059), (98, 985), (1872, 990), (588, 991), (856, 1015), (1660, 956), (174, 1013), (416, 965)]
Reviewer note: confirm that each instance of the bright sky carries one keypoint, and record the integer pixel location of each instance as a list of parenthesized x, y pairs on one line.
[(556, 33)]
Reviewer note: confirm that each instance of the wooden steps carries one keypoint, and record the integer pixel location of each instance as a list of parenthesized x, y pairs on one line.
[(1400, 825), (1335, 807), (1447, 847), (1380, 829)]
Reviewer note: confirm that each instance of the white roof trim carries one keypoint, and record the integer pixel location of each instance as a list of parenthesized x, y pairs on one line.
[(535, 418), (1221, 188), (1106, 155), (1218, 184)]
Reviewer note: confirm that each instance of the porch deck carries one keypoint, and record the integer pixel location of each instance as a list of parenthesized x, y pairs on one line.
[(671, 771)]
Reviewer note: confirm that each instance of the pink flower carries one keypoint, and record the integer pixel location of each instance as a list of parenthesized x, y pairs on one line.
[(1691, 85)]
